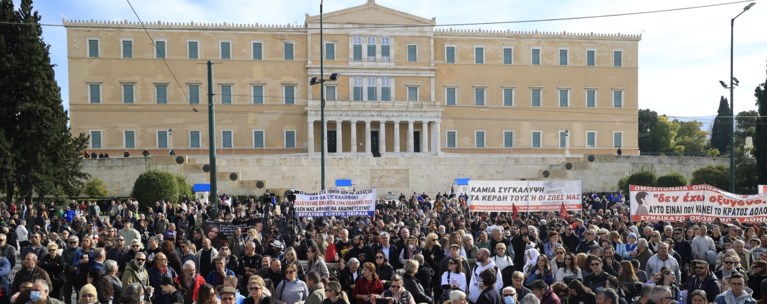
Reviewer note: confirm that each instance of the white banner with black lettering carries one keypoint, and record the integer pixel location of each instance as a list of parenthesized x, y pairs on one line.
[(525, 196), (336, 203)]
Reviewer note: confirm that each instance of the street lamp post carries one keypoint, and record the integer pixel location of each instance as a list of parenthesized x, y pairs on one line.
[(322, 106), (732, 97)]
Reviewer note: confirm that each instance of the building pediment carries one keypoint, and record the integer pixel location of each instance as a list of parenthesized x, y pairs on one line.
[(370, 13)]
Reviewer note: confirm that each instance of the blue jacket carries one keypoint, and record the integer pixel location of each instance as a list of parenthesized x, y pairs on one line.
[(5, 275), (213, 278)]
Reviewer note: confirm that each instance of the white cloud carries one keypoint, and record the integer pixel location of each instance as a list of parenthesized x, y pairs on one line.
[(683, 54)]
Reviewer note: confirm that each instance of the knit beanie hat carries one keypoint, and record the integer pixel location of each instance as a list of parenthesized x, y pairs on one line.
[(88, 289)]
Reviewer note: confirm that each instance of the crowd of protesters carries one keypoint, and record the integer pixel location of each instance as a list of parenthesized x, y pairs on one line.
[(415, 249)]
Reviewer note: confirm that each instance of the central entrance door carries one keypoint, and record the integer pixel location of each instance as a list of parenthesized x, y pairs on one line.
[(374, 143)]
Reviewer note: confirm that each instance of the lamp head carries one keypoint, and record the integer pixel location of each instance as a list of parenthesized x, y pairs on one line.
[(724, 85), (749, 6), (334, 76), (313, 81)]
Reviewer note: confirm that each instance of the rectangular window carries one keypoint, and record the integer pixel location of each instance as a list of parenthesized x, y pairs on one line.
[(258, 139), (385, 49), (194, 139), (508, 55), (591, 139), (93, 48), (479, 139), (290, 139), (535, 139), (193, 49), (563, 58), (372, 89), (412, 93), (451, 139), (95, 139), (591, 57), (227, 139), (330, 51), (617, 99), (159, 49), (617, 139), (357, 88), (385, 89), (617, 58), (258, 50), (591, 98), (564, 98), (450, 96), (226, 94), (508, 139), (450, 54), (412, 53), (129, 139), (226, 50), (479, 96), (94, 92), (161, 93), (290, 94), (162, 139), (330, 93), (287, 48), (508, 97), (127, 46), (194, 94), (371, 49), (357, 48), (128, 93), (535, 97), (535, 56), (479, 55), (258, 94), (563, 139)]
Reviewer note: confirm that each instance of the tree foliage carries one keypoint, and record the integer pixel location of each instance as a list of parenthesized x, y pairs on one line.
[(647, 121), (720, 132), (717, 176), (154, 186), (760, 134), (641, 178), (95, 188), (671, 180), (663, 134), (184, 188), (40, 155)]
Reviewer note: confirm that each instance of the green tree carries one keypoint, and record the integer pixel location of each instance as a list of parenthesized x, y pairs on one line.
[(95, 188), (647, 121), (45, 157), (642, 178), (717, 176), (184, 188), (760, 134), (154, 186), (671, 180), (720, 132), (690, 138), (745, 127), (663, 135)]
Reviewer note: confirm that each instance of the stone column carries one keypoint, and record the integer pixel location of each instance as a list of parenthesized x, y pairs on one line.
[(410, 136), (396, 136), (437, 138), (339, 136), (354, 136), (310, 136), (382, 136), (325, 142), (425, 137), (367, 136)]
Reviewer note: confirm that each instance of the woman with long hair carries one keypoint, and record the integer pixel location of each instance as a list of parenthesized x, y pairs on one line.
[(257, 291), (558, 261), (206, 295), (668, 278), (316, 262), (757, 275), (410, 250), (570, 269), (334, 294), (169, 249), (432, 251), (384, 270), (292, 258), (580, 291), (628, 280), (367, 285), (542, 271), (454, 278)]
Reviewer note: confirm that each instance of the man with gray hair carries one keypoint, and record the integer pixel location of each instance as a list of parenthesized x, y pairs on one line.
[(642, 253), (663, 259), (530, 299)]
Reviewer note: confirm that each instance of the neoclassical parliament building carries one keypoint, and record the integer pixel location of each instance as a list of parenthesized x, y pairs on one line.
[(405, 85)]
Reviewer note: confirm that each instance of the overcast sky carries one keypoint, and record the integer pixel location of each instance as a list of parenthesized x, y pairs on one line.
[(682, 55)]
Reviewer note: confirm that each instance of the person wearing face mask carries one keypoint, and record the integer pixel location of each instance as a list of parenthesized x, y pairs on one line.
[(509, 295), (39, 294), (135, 271)]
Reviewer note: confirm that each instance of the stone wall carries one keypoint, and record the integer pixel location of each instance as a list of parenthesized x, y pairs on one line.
[(391, 173)]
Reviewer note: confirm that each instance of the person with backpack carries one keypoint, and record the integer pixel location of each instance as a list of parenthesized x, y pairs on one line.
[(483, 262)]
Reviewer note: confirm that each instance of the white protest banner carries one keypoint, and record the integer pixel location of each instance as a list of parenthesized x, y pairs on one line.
[(336, 203), (699, 203), (526, 196)]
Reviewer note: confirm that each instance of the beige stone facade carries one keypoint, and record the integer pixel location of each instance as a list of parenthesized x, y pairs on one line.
[(406, 86)]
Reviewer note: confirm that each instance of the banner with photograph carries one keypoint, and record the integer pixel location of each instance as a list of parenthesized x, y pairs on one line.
[(524, 196), (762, 189), (337, 203), (698, 203), (219, 232)]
